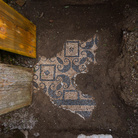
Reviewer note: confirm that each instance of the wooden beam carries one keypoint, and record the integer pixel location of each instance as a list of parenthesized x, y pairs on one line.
[(17, 34), (15, 87)]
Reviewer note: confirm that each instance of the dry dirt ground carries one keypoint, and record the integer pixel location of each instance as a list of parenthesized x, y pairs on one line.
[(56, 23)]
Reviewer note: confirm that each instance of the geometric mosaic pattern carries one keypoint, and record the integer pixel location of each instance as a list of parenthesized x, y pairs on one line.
[(56, 76)]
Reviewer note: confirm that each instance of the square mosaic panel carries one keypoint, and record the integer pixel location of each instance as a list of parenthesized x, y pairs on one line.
[(71, 49), (47, 72), (56, 76)]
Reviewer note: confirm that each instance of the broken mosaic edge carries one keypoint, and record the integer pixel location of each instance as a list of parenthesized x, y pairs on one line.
[(90, 41)]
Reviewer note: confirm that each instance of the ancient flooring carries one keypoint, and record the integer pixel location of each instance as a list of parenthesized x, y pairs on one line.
[(56, 76)]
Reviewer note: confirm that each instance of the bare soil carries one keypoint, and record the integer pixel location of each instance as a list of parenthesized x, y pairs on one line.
[(57, 22)]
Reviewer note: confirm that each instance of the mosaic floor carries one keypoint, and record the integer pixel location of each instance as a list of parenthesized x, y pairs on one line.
[(56, 76)]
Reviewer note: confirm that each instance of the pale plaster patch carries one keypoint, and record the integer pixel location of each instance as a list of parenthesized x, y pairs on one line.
[(56, 76), (95, 136)]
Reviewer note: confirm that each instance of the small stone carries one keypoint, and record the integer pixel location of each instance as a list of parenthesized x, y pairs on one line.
[(51, 21), (41, 15), (66, 7), (36, 134), (21, 2), (25, 132)]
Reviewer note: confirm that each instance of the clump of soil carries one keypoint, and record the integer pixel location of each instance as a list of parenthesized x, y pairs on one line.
[(21, 120), (14, 59), (126, 67), (126, 70)]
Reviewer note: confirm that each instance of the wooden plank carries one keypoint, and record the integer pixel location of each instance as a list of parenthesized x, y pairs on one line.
[(17, 34), (15, 87)]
